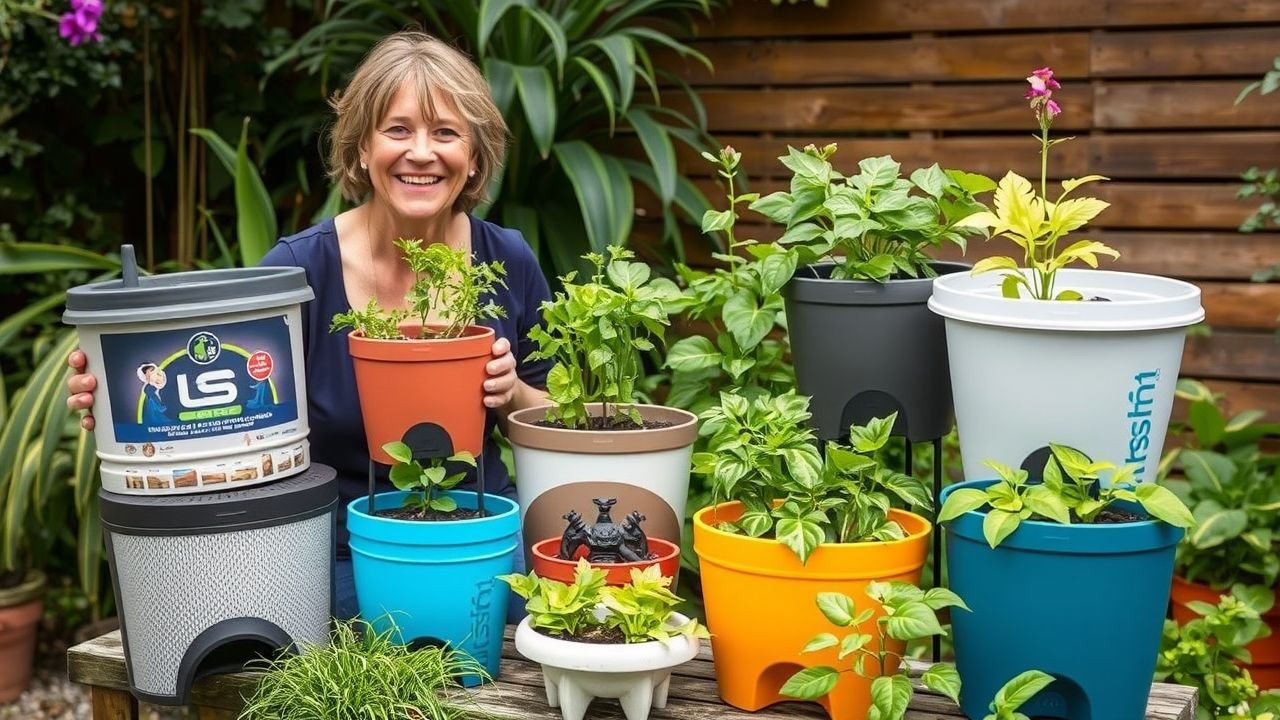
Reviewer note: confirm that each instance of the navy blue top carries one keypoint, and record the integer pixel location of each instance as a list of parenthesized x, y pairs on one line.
[(333, 406)]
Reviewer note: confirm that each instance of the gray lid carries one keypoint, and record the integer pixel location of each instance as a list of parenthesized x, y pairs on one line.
[(813, 284), (268, 504), (197, 293)]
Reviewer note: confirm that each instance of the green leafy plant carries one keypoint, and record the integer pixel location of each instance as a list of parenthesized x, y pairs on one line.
[(1015, 693), (595, 330), (760, 452), (882, 225), (444, 283), (908, 614), (1034, 222), (1233, 489), (1207, 653), (427, 485), (570, 78), (362, 674), (741, 303), (1069, 493), (640, 611)]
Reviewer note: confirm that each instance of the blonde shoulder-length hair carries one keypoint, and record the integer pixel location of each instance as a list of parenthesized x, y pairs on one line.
[(426, 64)]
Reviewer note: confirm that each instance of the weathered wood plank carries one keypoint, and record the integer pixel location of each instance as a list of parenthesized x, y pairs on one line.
[(520, 693), (1239, 396), (1191, 12), (946, 107), (1233, 355), (834, 62), (1175, 154), (1241, 305), (1180, 104), (113, 704), (1181, 53)]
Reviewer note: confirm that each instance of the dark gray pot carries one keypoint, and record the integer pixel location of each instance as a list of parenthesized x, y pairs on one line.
[(864, 349)]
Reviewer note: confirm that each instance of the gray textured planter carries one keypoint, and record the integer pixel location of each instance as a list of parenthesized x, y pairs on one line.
[(864, 349)]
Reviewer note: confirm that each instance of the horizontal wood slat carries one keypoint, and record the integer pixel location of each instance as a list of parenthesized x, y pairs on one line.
[(1174, 53), (1176, 154), (1240, 396), (832, 62), (867, 17), (1232, 354), (1181, 104)]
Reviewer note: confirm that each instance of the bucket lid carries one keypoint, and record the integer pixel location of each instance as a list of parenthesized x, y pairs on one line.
[(306, 494), (197, 293), (813, 284), (1134, 302)]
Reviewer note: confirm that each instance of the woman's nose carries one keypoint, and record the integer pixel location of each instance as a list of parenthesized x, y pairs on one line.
[(421, 147)]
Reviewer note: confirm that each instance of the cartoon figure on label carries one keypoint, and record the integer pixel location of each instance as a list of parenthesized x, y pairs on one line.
[(153, 379), (261, 399)]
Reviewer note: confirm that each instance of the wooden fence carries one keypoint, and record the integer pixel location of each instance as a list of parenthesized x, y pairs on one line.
[(1148, 92)]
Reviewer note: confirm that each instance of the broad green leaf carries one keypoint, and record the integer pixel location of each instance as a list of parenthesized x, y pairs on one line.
[(1021, 688), (943, 678), (1240, 421), (1040, 499), (444, 503), (491, 12), (591, 184), (1086, 251), (607, 92), (811, 683), (890, 695), (34, 258), (1216, 528), (1161, 503), (398, 451), (1073, 183), (502, 83), (692, 354), (838, 608), (802, 535), (621, 53), (913, 621), (1208, 470), (821, 641), (960, 502), (938, 598), (854, 642), (538, 96), (256, 228), (993, 263), (1207, 422), (998, 525), (554, 33), (747, 321), (932, 180)]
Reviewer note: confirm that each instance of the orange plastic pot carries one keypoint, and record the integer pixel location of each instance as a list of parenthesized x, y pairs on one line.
[(761, 605), (20, 609), (405, 382), (1265, 668), (548, 565)]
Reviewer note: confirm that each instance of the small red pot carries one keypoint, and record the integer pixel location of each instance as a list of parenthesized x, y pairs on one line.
[(1265, 669), (547, 565)]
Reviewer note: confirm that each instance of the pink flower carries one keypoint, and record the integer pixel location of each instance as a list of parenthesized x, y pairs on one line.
[(81, 24), (1054, 109), (1040, 93)]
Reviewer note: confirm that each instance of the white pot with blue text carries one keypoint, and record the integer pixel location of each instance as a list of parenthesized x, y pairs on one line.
[(1096, 374)]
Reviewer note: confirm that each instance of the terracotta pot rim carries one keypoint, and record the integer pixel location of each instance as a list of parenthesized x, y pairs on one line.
[(523, 431), (475, 341), (672, 551), (1191, 586), (31, 588)]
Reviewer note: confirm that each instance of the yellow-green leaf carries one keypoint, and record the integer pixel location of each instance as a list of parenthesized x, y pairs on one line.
[(1070, 215), (994, 263), (1073, 183)]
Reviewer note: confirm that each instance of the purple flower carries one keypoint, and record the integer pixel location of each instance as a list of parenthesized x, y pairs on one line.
[(1040, 93), (81, 24), (1054, 109)]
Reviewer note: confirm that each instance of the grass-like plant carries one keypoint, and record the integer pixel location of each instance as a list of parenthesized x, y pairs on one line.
[(445, 282), (363, 675)]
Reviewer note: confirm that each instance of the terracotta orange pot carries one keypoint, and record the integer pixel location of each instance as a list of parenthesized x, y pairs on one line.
[(405, 382), (761, 605), (20, 609), (1265, 669), (548, 565)]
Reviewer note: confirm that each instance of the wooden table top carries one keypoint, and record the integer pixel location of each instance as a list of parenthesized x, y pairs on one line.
[(519, 692)]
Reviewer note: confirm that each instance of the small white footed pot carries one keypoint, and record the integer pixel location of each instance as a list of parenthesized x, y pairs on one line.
[(637, 674)]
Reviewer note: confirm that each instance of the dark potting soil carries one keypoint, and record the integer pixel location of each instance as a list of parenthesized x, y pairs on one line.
[(1116, 517), (402, 513), (604, 423), (1099, 298), (596, 634)]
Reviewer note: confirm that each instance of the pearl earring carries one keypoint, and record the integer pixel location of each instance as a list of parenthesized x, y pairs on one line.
[(471, 174), (363, 166)]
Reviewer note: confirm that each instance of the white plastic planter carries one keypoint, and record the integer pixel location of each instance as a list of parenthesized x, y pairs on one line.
[(647, 471), (1098, 376), (638, 675)]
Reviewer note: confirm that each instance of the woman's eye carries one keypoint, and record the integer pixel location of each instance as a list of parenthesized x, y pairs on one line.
[(397, 130), (447, 132)]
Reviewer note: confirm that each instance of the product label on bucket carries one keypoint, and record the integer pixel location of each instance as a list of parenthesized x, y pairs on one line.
[(201, 382)]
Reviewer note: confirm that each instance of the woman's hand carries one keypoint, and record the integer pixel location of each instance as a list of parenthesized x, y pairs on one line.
[(80, 387), (500, 388)]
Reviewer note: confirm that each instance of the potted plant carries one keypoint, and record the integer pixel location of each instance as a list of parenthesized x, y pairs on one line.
[(792, 522), (1208, 652), (429, 535), (862, 243), (596, 640), (594, 440), (1233, 489), (902, 613), (1112, 341), (430, 358), (615, 548), (365, 671), (21, 604), (1021, 553)]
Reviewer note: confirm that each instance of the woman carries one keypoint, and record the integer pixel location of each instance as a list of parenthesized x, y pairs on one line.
[(418, 135)]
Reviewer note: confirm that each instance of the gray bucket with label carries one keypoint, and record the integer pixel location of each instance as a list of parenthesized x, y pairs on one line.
[(201, 384)]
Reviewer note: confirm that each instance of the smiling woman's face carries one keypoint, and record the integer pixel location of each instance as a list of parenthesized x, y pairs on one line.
[(418, 165)]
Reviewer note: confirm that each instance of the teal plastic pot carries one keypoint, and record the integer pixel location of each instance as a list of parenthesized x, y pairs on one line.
[(1084, 603), (434, 582)]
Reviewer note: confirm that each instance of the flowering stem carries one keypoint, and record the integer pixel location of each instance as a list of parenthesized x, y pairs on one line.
[(1046, 280)]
